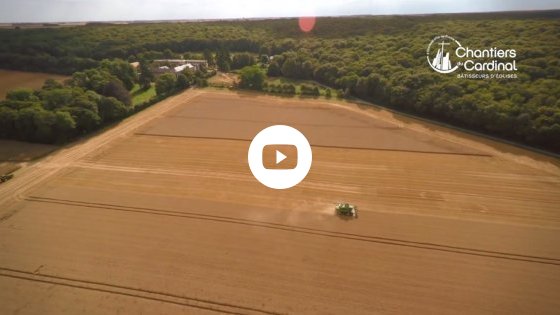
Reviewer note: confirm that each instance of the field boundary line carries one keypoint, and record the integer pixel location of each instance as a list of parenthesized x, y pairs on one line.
[(305, 230), (31, 176), (132, 292), (316, 145), (279, 123)]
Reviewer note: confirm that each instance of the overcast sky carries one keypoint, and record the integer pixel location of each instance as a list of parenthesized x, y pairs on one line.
[(126, 10)]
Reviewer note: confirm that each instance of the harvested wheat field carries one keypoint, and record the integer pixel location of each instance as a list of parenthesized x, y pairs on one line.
[(161, 215), (15, 154), (10, 80)]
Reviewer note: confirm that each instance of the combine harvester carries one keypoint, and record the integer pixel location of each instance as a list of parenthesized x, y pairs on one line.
[(344, 209)]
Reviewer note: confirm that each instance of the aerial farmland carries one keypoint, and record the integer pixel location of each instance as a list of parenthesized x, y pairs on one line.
[(160, 214)]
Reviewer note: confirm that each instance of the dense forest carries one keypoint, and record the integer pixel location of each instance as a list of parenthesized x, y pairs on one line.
[(379, 58)]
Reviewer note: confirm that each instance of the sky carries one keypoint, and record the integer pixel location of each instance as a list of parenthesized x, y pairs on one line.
[(129, 10)]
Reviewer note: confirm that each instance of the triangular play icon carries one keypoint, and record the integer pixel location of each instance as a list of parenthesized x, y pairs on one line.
[(280, 157)]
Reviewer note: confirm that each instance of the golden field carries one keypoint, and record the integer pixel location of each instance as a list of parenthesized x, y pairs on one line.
[(160, 214)]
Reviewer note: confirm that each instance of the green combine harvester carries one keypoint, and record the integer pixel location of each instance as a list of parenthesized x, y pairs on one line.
[(346, 210)]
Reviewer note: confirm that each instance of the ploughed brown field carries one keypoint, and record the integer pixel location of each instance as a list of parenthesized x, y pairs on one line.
[(10, 80), (161, 215)]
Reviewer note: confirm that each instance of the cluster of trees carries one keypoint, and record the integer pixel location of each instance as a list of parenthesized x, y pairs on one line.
[(58, 112), (285, 88), (169, 83), (223, 60), (379, 59), (226, 62), (113, 78), (291, 65), (249, 74), (146, 76), (309, 90), (252, 77), (242, 60)]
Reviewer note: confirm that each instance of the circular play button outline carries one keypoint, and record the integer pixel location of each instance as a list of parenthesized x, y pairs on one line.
[(280, 178)]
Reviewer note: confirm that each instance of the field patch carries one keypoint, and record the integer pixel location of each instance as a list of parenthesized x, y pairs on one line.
[(10, 80), (18, 151), (241, 116), (140, 95), (13, 154)]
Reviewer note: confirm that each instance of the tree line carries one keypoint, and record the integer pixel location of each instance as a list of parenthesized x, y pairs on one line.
[(381, 59), (59, 112)]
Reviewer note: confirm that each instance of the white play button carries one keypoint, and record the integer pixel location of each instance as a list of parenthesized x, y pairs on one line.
[(280, 157)]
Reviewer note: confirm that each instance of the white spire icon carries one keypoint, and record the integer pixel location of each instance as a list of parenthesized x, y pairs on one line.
[(441, 61)]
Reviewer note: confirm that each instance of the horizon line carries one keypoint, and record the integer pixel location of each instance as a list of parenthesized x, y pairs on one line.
[(277, 17)]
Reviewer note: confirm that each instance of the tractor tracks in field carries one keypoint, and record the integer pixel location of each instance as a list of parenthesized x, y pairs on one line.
[(38, 172), (309, 231), (146, 294), (345, 147), (211, 174)]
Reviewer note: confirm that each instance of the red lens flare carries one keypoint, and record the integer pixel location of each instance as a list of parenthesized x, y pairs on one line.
[(306, 23)]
